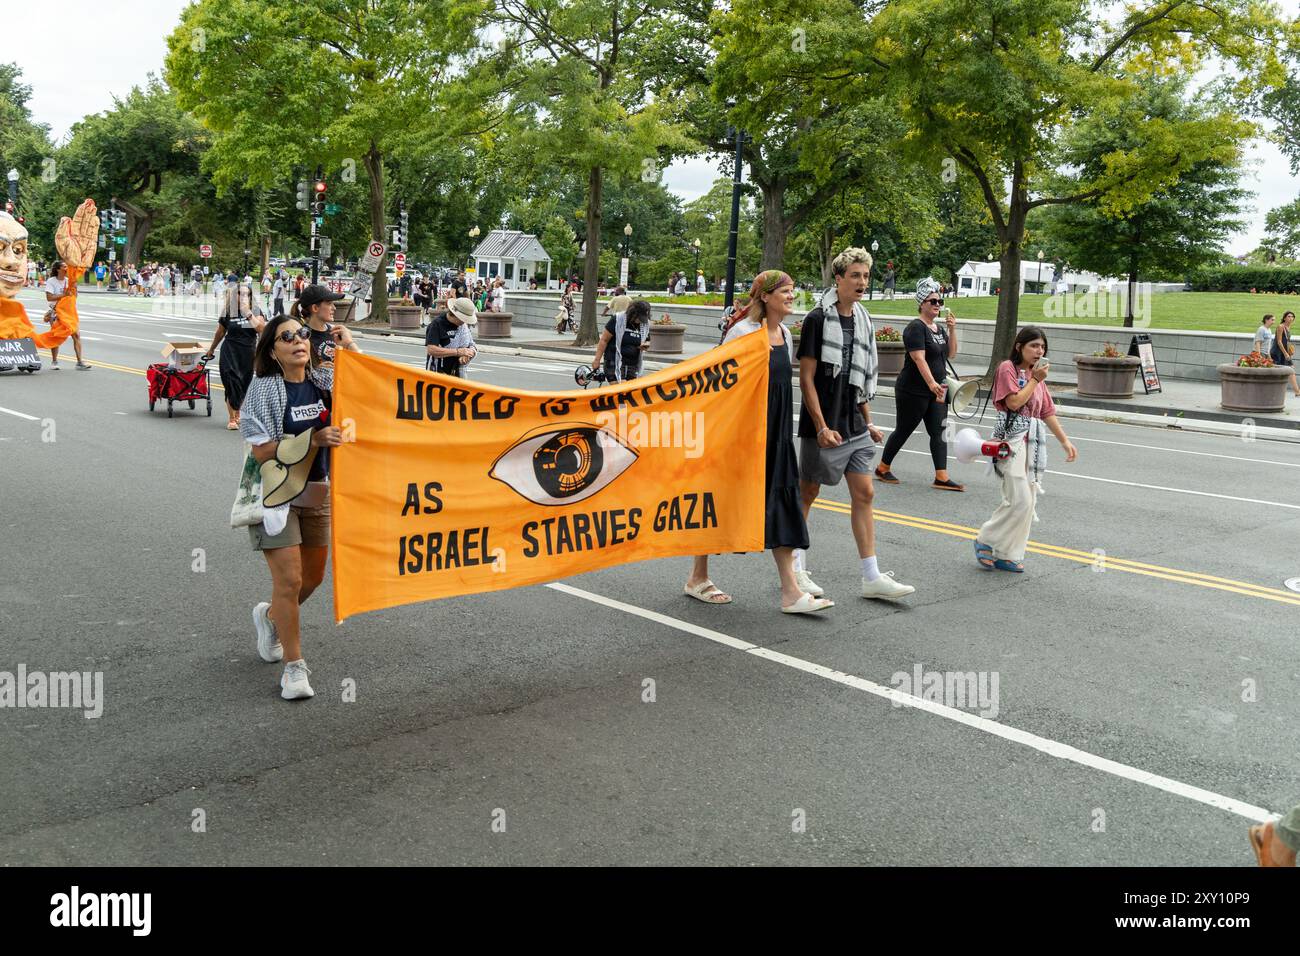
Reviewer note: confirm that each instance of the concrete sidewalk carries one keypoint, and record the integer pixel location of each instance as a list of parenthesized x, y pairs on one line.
[(1182, 404)]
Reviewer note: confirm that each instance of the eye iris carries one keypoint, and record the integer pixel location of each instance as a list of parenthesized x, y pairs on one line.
[(568, 462)]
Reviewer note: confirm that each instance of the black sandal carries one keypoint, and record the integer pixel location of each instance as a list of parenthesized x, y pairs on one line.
[(947, 485), (886, 476)]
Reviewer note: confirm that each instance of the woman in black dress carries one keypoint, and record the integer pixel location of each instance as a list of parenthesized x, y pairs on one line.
[(237, 330), (770, 300)]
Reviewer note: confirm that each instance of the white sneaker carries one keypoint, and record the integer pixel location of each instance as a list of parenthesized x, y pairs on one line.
[(885, 587), (293, 682), (807, 584), (269, 647)]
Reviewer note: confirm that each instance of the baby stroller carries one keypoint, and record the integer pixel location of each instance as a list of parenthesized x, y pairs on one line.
[(178, 385)]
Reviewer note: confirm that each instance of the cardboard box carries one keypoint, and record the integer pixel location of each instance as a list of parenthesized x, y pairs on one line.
[(184, 355)]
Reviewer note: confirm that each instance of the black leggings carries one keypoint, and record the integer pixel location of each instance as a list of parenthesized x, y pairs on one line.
[(912, 410)]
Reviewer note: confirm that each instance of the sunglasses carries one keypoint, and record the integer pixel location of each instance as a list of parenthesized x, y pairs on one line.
[(287, 337), (934, 301)]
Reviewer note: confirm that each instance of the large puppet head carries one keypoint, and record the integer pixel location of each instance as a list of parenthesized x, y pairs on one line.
[(13, 255)]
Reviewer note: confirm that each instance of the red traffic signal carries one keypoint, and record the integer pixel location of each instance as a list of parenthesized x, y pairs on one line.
[(320, 186)]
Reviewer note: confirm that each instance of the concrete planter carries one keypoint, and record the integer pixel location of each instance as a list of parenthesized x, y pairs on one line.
[(404, 316), (1254, 389), (666, 339), (493, 325), (1101, 377), (892, 356), (345, 310)]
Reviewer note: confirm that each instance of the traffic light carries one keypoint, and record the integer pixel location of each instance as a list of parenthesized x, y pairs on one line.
[(302, 195), (105, 220), (403, 225), (318, 205), (119, 220)]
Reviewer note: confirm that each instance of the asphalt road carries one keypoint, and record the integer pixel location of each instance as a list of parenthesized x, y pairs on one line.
[(1148, 691)]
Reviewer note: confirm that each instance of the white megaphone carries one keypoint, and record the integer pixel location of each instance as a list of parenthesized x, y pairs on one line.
[(961, 394), (969, 446)]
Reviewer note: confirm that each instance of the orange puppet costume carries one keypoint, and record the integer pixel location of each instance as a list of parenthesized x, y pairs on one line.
[(75, 239), (14, 323)]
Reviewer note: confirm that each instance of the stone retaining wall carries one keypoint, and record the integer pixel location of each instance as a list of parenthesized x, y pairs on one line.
[(1179, 355)]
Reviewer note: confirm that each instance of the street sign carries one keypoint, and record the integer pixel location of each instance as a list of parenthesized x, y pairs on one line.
[(205, 252), (325, 246), (206, 271), (622, 272), (112, 255), (120, 240), (103, 241), (370, 261), (332, 209), (399, 262)]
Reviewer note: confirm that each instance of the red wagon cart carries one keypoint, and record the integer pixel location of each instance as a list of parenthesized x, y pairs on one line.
[(179, 385)]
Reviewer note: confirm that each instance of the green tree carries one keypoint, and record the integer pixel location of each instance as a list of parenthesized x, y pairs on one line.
[(999, 86), (580, 97), (1175, 231), (340, 83), (129, 154), (25, 146), (1282, 233)]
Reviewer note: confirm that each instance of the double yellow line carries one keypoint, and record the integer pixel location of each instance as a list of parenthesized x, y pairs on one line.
[(122, 368), (1100, 560)]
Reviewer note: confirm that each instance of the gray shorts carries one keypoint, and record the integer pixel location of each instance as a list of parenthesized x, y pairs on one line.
[(826, 466)]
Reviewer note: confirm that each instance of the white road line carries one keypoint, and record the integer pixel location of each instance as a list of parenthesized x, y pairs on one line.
[(1183, 451), (1042, 744), (10, 411)]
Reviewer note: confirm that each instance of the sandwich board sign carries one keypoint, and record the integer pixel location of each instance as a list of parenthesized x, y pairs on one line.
[(1141, 347)]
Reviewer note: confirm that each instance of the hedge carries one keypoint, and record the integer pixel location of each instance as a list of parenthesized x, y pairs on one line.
[(1246, 279)]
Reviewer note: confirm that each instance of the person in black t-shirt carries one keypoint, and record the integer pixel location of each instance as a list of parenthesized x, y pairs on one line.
[(315, 309), (919, 393), (625, 337), (448, 342), (837, 437), (237, 331)]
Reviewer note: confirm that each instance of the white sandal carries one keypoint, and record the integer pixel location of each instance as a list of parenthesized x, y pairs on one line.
[(807, 604), (708, 592)]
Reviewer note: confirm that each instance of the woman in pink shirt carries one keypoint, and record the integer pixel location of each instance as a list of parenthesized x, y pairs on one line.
[(1025, 408)]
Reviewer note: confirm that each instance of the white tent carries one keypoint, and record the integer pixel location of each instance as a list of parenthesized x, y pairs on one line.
[(984, 278)]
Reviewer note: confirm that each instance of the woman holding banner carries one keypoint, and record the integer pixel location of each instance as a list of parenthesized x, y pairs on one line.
[(771, 299), (286, 398)]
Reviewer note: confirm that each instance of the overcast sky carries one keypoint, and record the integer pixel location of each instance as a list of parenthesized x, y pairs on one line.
[(123, 50)]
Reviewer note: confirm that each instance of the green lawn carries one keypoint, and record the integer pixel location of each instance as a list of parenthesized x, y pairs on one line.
[(1205, 311)]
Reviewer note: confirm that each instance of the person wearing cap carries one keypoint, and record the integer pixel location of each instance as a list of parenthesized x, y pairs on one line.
[(315, 309), (449, 341)]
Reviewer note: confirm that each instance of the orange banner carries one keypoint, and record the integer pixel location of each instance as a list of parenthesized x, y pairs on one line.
[(447, 486)]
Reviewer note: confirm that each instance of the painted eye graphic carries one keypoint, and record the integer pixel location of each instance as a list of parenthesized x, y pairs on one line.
[(561, 466)]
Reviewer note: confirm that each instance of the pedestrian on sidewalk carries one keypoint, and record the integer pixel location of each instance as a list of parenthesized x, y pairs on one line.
[(618, 303), (786, 526), (629, 332), (1264, 336), (236, 334), (1277, 842), (1025, 411), (919, 392), (838, 369), (288, 397), (56, 289), (497, 297), (276, 291), (1282, 352)]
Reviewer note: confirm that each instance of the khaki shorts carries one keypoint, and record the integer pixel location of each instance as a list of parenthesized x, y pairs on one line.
[(309, 527), (826, 466)]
